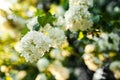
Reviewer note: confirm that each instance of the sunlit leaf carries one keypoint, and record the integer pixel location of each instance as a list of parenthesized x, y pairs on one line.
[(24, 31)]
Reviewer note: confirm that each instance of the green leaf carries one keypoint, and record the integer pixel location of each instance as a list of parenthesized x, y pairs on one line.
[(65, 4), (96, 19), (36, 27), (48, 18), (24, 31), (110, 40), (39, 12)]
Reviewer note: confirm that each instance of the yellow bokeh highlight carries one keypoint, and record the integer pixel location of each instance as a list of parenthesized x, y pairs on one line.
[(80, 36), (53, 8)]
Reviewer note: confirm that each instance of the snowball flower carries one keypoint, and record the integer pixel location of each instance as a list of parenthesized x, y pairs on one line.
[(41, 76), (78, 18), (116, 41), (31, 23), (6, 5), (57, 37), (60, 21), (89, 61), (108, 41), (89, 48), (3, 19), (59, 71), (98, 75), (57, 54), (115, 68), (42, 64), (46, 28), (33, 45), (88, 3)]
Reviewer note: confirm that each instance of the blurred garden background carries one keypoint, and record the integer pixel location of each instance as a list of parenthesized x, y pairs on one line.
[(86, 54)]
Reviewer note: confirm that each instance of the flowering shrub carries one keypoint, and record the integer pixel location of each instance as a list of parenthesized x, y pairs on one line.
[(60, 40)]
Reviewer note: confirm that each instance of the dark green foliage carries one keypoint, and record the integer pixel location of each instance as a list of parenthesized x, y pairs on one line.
[(72, 77), (36, 27), (65, 4), (96, 18), (47, 18), (50, 76), (2, 75), (110, 40), (105, 20), (32, 73)]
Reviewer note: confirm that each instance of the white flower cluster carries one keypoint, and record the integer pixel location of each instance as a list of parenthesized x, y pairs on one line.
[(59, 71), (33, 45), (89, 48), (98, 75), (42, 64), (115, 68), (92, 62), (60, 22), (3, 19), (78, 17), (57, 54), (41, 76), (108, 41), (88, 3), (57, 37)]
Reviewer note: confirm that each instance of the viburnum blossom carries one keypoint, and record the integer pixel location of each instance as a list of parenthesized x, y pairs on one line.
[(59, 71), (98, 75), (41, 76), (115, 68), (60, 22), (108, 41), (89, 48), (3, 19), (78, 17), (42, 64), (56, 54), (33, 45), (88, 3), (57, 37)]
